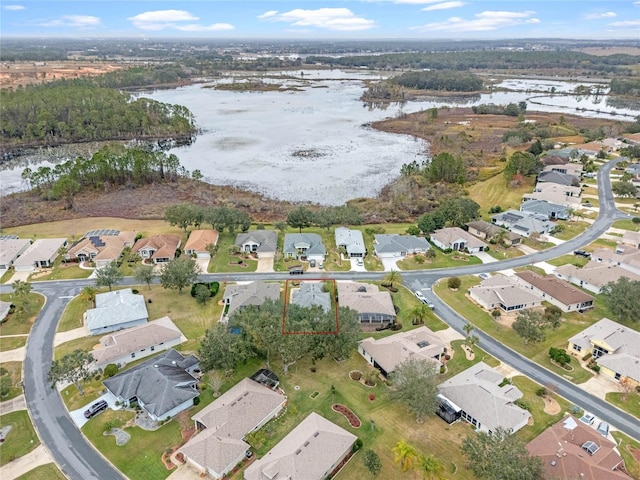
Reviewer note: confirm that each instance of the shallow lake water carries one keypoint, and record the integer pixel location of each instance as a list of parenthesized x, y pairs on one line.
[(314, 144)]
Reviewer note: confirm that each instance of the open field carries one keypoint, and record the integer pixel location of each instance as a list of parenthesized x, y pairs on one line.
[(17, 74), (494, 191)]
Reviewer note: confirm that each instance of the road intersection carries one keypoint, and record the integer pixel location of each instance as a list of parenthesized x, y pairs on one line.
[(79, 460)]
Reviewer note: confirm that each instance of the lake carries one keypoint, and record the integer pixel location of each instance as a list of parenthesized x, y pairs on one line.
[(314, 144)]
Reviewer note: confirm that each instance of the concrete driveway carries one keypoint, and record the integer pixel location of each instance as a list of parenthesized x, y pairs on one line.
[(78, 415), (485, 257), (265, 265), (203, 263), (355, 267), (390, 264)]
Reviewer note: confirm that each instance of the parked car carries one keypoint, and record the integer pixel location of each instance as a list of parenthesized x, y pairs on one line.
[(587, 418), (603, 429), (296, 271), (582, 253), (95, 409), (360, 261), (249, 454), (312, 263), (419, 295)]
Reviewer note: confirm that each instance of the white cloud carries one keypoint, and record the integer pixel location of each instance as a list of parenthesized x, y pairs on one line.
[(172, 19), (484, 21), (443, 6), (416, 2), (14, 7), (626, 23), (341, 19), (597, 16), (73, 21)]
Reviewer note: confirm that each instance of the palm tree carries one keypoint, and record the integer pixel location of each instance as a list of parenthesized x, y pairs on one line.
[(391, 277), (88, 294), (467, 329), (430, 467), (404, 454), (471, 341), (419, 314)]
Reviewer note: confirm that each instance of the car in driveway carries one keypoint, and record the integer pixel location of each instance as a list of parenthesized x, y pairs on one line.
[(603, 429), (587, 418), (312, 263), (95, 409)]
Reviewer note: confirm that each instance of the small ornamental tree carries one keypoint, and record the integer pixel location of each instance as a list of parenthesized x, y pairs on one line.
[(372, 461), (454, 283)]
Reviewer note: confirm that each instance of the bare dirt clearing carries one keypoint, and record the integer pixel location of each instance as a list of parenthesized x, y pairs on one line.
[(14, 74)]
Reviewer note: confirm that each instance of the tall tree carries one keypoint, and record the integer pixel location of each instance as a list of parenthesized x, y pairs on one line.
[(300, 217), (223, 350), (73, 368), (88, 294), (144, 274), (404, 454), (179, 272), (108, 276), (416, 384), (181, 214), (530, 325), (21, 290), (500, 456), (623, 299)]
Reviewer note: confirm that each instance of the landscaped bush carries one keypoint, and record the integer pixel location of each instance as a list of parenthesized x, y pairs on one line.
[(110, 370), (496, 313), (213, 288), (559, 356), (454, 283), (5, 386), (541, 392), (357, 445)]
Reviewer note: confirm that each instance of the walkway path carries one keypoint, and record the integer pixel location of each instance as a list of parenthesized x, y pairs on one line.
[(25, 463), (13, 405), (62, 337), (15, 355)]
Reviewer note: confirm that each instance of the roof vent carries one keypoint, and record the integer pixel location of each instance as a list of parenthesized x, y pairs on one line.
[(298, 451), (173, 362), (155, 365)]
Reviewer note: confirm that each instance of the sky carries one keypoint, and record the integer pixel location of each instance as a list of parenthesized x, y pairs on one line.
[(310, 19)]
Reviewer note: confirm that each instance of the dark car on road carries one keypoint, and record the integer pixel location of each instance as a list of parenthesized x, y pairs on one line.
[(95, 409), (296, 271)]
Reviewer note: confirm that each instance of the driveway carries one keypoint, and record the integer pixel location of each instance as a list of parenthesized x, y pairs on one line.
[(389, 264), (74, 334), (355, 267), (78, 415), (485, 257), (203, 263), (265, 265)]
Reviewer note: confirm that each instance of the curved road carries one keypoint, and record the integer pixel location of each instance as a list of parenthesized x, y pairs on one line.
[(80, 461)]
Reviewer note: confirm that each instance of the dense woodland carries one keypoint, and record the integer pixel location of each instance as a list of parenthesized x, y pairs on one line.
[(69, 111)]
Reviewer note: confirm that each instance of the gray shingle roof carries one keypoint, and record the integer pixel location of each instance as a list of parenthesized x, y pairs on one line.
[(352, 240), (310, 294), (114, 308), (267, 240), (390, 243), (254, 293), (160, 383), (545, 208), (312, 241)]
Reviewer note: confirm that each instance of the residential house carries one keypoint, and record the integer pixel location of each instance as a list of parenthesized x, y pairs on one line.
[(352, 241), (393, 245), (558, 292), (219, 444), (500, 291), (591, 149), (101, 246), (632, 239), (42, 253), (372, 305), (5, 307), (573, 154), (261, 242), (559, 178), (311, 451), (571, 450), (162, 386), (311, 294), (524, 224), (198, 242), (116, 310), (624, 256), (633, 169), (594, 275), (241, 295), (457, 239), (615, 348), (158, 248), (554, 160), (480, 398), (552, 211), (555, 193), (574, 169), (138, 342), (10, 249), (632, 138), (489, 231), (304, 246), (387, 353)]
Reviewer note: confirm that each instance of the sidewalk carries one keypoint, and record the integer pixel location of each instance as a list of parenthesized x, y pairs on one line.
[(74, 334), (13, 405), (26, 463), (15, 355)]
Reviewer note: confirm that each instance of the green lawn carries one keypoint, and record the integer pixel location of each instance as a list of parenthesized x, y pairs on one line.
[(627, 225), (576, 260), (500, 252), (572, 323), (222, 261), (18, 323), (629, 402), (495, 191), (43, 472), (570, 229), (11, 373), (141, 457), (20, 440), (72, 316), (405, 301), (442, 260), (86, 343), (7, 275), (536, 244), (459, 361), (92, 390), (624, 444), (11, 343), (61, 271)]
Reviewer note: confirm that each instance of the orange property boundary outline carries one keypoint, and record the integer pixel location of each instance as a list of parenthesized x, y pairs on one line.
[(333, 301)]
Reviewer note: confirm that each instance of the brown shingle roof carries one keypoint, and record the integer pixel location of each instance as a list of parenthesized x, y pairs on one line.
[(199, 240), (165, 246), (562, 291)]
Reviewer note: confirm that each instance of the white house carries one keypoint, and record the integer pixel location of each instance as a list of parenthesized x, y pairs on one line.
[(352, 241), (40, 254), (457, 239), (10, 249), (116, 310)]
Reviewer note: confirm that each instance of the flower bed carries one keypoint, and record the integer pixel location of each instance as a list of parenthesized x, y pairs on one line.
[(351, 417), (355, 375)]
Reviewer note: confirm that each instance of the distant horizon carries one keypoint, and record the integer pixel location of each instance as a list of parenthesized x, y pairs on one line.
[(385, 20)]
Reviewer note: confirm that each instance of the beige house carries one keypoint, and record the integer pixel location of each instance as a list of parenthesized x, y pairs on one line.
[(387, 353), (505, 293), (480, 399), (574, 169), (625, 256), (594, 275), (569, 449), (372, 305), (558, 292), (219, 444), (159, 248), (565, 195), (489, 231), (311, 451), (457, 239), (40, 254), (616, 349), (101, 249), (10, 249), (198, 242), (138, 342)]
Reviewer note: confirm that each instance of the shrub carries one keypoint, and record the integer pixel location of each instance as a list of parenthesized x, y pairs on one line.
[(396, 326), (260, 226), (560, 356), (110, 370), (356, 375), (496, 313), (196, 401), (636, 220), (454, 283), (240, 261), (413, 230), (419, 259), (357, 445), (522, 404), (496, 208), (541, 392), (5, 386), (442, 369), (134, 291)]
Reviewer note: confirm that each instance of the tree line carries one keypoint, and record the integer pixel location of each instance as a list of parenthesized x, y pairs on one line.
[(71, 111), (450, 81)]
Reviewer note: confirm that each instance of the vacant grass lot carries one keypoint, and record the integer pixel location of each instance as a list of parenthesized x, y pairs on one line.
[(60, 271), (494, 191), (20, 323), (500, 252), (576, 260), (72, 316), (624, 443), (570, 229), (43, 472), (627, 225), (629, 402), (20, 440), (442, 260), (11, 372), (572, 323)]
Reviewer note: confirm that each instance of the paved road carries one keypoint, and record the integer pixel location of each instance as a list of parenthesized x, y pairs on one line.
[(79, 460)]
